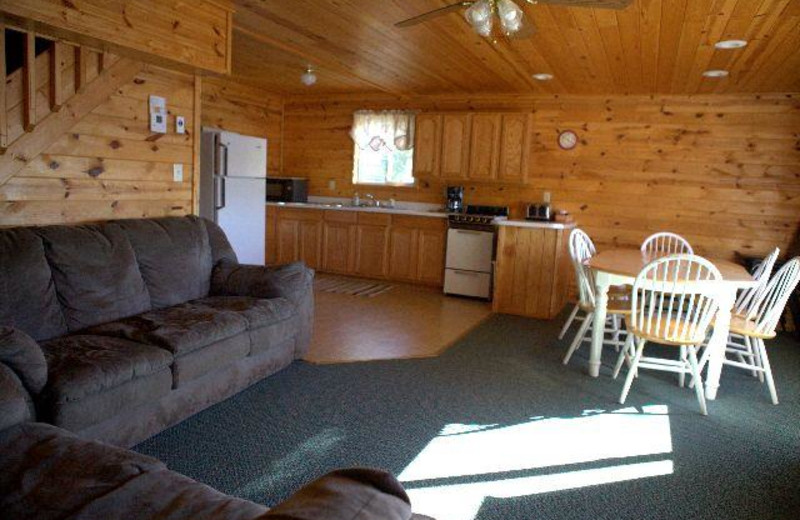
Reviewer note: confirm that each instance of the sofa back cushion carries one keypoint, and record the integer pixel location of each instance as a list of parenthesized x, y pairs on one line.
[(95, 273), (27, 293), (221, 249), (174, 256)]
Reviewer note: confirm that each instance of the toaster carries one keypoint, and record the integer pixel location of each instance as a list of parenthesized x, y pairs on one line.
[(541, 211)]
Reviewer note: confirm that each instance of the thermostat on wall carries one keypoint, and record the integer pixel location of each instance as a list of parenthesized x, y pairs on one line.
[(158, 114)]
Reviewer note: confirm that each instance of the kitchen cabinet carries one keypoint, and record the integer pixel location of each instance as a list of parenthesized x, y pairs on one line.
[(455, 146), (532, 271), (299, 237), (484, 145), (372, 244), (427, 145), (339, 241), (394, 246), (514, 147)]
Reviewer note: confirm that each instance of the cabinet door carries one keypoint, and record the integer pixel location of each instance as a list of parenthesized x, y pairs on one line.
[(272, 235), (339, 247), (427, 145), (514, 147), (430, 256), (310, 243), (288, 240), (484, 142), (455, 146), (372, 250), (403, 243)]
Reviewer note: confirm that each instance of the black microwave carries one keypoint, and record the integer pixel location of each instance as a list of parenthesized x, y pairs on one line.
[(287, 189)]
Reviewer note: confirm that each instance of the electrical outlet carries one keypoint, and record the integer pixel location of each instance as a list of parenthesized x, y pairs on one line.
[(177, 172), (332, 184), (180, 125)]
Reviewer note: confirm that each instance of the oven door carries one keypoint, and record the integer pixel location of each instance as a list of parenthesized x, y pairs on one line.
[(470, 250)]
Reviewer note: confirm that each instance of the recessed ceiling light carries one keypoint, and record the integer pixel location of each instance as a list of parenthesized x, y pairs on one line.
[(715, 73), (308, 78), (543, 76), (730, 44)]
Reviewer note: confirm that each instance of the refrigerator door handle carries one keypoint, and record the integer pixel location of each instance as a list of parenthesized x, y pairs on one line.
[(219, 193), (224, 148)]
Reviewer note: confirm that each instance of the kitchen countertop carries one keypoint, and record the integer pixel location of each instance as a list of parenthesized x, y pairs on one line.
[(401, 208), (536, 224)]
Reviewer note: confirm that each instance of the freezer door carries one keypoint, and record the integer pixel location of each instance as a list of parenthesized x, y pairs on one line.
[(470, 250), (243, 156), (241, 213)]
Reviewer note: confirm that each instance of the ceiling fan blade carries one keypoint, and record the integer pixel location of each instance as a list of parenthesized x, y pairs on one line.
[(597, 4), (433, 14)]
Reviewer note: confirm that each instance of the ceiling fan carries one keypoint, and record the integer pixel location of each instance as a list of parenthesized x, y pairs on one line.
[(481, 14)]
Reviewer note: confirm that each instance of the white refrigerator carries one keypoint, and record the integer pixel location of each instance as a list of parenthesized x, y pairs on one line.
[(233, 187)]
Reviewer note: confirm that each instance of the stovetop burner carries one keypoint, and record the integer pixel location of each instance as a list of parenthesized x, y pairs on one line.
[(474, 215)]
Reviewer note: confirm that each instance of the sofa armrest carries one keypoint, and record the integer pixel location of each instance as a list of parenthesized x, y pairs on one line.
[(347, 494), (294, 281), (24, 357)]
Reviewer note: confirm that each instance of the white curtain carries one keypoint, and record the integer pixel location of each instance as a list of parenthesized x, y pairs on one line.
[(391, 129)]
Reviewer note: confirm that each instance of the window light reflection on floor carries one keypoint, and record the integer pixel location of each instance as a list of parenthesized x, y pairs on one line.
[(473, 450)]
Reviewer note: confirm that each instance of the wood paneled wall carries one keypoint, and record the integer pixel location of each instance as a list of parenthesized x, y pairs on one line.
[(175, 33), (723, 170), (247, 110), (108, 165)]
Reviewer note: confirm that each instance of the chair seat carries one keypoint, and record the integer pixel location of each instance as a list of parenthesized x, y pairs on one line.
[(668, 332), (745, 327), (616, 305)]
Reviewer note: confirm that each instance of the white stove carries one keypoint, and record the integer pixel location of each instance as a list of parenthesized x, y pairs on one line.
[(470, 251)]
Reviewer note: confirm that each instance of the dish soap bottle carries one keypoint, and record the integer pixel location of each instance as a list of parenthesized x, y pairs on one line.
[(356, 200)]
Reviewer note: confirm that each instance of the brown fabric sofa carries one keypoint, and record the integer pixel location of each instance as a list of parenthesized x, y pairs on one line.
[(51, 474), (122, 329)]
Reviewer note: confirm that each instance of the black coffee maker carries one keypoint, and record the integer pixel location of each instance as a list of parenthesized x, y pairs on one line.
[(455, 199)]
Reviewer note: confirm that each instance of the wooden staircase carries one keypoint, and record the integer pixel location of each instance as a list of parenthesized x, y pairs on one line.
[(50, 93)]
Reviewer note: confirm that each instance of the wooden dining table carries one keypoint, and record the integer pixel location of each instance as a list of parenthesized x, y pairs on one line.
[(621, 266)]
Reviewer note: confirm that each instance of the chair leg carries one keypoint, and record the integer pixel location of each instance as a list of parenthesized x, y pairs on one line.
[(587, 322), (615, 336), (752, 347), (682, 374), (568, 324), (698, 387), (759, 344), (623, 356), (632, 371)]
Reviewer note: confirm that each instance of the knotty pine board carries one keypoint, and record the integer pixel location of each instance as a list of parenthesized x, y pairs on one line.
[(722, 170)]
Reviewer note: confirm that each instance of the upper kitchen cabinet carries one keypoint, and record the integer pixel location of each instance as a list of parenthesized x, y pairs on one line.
[(514, 146), (455, 146), (484, 144), (427, 145)]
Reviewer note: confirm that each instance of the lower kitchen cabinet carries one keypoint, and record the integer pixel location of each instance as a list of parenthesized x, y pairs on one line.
[(374, 245), (532, 271)]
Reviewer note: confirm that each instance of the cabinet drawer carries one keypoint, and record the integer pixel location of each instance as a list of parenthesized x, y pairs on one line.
[(374, 219), (300, 214), (350, 217), (415, 222)]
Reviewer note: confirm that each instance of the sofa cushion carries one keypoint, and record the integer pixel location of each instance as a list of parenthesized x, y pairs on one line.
[(16, 405), (50, 474), (221, 249), (270, 322), (181, 329), (28, 298), (174, 256), (22, 354), (95, 272)]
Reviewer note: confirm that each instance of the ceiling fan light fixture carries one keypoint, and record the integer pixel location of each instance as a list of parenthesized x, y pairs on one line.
[(731, 44), (542, 76), (510, 16), (308, 78), (715, 73), (479, 13)]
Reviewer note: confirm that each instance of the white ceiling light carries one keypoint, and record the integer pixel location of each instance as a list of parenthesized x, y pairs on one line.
[(481, 13), (543, 76), (730, 44), (715, 73), (308, 78)]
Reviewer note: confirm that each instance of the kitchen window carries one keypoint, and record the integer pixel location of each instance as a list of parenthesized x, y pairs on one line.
[(384, 147)]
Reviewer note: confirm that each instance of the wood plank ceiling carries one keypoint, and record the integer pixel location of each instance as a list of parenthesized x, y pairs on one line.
[(653, 46)]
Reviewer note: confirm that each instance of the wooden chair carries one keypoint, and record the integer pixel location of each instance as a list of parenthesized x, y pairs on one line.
[(760, 322), (673, 302), (581, 249), (665, 244)]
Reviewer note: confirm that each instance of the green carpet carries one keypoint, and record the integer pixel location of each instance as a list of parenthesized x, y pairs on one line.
[(516, 435)]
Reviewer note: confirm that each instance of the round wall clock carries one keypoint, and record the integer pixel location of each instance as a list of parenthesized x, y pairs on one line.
[(567, 140)]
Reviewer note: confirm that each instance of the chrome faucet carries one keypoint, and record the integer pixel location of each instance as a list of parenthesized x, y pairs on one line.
[(371, 199)]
